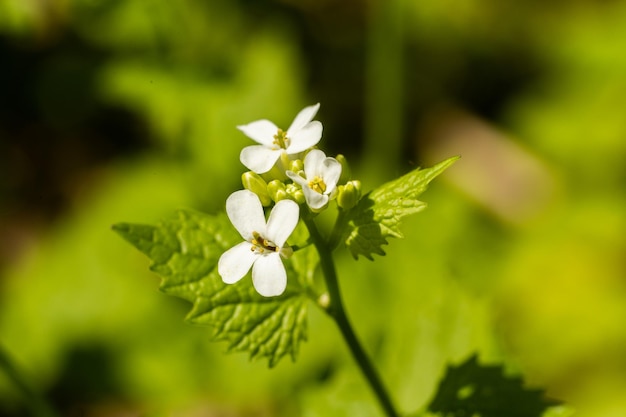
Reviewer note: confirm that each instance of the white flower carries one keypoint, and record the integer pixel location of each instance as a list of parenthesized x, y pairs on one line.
[(264, 242), (301, 135), (321, 176)]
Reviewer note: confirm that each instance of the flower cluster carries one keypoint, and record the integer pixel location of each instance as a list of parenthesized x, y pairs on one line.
[(286, 172)]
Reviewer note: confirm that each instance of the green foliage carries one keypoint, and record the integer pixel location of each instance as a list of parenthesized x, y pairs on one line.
[(188, 72), (378, 214), (185, 250), (471, 389)]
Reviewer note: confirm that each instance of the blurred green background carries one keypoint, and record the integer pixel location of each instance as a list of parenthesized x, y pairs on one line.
[(125, 110)]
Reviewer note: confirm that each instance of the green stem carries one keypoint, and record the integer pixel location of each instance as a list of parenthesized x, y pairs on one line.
[(337, 311), (37, 404), (335, 236)]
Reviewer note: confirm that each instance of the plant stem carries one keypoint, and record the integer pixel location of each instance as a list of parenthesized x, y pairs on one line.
[(37, 404), (335, 236), (337, 311)]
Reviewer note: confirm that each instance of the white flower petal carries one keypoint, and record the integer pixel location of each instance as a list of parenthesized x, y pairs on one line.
[(259, 158), (245, 212), (314, 164), (302, 182), (314, 199), (269, 276), (261, 131), (332, 172), (305, 138), (235, 263), (283, 219), (305, 116)]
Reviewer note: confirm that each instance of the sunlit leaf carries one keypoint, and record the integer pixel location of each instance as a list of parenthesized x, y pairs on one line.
[(379, 213), (185, 250)]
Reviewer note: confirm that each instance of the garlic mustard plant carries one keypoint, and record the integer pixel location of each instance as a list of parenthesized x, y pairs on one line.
[(319, 182), (303, 134), (264, 243), (201, 258)]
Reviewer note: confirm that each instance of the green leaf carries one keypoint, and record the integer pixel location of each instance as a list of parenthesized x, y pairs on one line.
[(471, 389), (185, 250), (378, 214)]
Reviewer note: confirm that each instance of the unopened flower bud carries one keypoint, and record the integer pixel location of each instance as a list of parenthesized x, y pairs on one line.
[(296, 165), (345, 169), (276, 173), (253, 182), (276, 190), (324, 300), (348, 195), (284, 162), (295, 193)]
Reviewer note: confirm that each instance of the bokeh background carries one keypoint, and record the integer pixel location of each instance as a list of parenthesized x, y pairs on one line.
[(125, 110)]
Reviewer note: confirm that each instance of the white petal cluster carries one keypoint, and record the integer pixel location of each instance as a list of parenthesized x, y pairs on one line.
[(320, 178), (303, 134), (278, 176), (263, 245)]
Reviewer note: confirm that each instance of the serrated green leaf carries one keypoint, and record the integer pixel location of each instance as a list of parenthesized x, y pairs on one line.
[(471, 389), (378, 214), (185, 250)]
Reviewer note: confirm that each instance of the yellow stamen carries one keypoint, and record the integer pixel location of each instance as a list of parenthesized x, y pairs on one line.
[(281, 140), (317, 184), (260, 244)]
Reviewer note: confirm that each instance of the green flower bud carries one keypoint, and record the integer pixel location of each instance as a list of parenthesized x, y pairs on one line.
[(324, 301), (276, 173), (284, 162), (348, 195), (296, 165), (345, 169), (276, 190), (253, 182), (296, 193)]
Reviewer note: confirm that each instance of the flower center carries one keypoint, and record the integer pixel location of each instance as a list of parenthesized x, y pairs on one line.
[(317, 184), (260, 244), (281, 140)]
